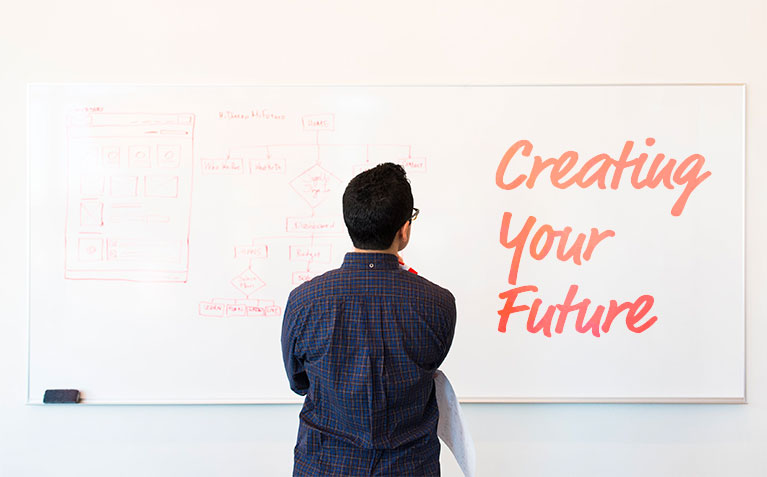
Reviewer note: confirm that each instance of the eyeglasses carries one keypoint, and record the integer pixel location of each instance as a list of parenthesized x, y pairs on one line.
[(415, 214)]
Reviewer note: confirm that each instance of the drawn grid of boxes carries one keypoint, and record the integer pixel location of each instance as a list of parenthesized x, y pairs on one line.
[(129, 186), (307, 240)]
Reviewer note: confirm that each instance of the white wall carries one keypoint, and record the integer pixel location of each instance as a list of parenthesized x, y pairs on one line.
[(392, 42)]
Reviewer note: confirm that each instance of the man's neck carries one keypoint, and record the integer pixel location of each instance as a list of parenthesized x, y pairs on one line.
[(391, 250)]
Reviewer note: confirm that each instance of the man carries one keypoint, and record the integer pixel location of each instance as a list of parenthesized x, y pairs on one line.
[(362, 343)]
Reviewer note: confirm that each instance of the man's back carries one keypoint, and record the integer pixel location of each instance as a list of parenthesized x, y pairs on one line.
[(363, 342)]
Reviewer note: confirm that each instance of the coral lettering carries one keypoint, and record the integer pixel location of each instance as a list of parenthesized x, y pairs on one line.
[(543, 240), (669, 172), (636, 311)]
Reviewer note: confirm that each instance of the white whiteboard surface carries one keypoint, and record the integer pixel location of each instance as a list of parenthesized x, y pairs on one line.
[(169, 223)]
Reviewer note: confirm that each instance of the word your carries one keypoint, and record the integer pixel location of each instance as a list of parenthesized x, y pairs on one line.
[(635, 312), (543, 239), (688, 173)]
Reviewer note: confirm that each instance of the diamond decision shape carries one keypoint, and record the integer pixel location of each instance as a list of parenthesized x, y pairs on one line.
[(248, 282), (315, 185)]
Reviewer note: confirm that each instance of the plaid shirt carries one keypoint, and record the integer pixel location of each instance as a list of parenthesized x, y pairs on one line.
[(362, 343)]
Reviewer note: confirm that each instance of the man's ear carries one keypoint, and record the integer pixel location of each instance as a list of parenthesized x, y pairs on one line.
[(404, 235)]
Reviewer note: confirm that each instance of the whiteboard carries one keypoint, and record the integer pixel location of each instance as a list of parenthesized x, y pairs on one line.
[(169, 223)]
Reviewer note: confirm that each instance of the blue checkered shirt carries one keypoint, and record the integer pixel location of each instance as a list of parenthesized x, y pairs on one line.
[(362, 343)]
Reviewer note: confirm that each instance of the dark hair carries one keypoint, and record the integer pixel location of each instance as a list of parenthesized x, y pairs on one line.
[(376, 204)]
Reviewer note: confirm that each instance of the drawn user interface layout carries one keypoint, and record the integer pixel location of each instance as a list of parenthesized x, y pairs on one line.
[(129, 196)]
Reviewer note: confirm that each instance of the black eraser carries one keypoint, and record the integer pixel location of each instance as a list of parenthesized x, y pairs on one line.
[(61, 396)]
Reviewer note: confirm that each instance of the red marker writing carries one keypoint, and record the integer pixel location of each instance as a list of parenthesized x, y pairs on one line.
[(405, 267)]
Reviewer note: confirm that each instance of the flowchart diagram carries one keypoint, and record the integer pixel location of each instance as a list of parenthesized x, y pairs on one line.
[(307, 242)]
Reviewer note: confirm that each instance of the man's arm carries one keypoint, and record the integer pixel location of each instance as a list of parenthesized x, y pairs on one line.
[(291, 353), (449, 328)]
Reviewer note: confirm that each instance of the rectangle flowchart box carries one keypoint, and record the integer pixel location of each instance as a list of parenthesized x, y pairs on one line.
[(311, 253), (313, 224)]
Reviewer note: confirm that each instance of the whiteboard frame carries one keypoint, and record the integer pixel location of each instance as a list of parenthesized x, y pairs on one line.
[(464, 399)]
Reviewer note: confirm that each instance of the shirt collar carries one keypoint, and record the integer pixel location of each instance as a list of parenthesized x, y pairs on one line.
[(372, 261)]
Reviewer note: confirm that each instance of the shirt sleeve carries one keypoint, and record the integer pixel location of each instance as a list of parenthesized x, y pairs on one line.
[(291, 352), (449, 328)]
